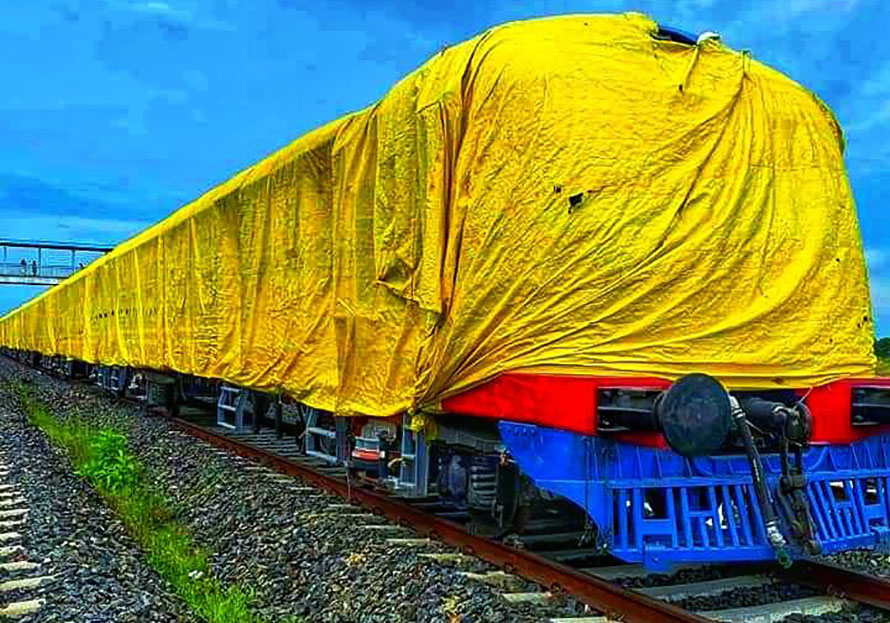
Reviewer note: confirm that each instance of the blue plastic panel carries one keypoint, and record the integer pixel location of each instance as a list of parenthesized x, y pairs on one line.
[(654, 506)]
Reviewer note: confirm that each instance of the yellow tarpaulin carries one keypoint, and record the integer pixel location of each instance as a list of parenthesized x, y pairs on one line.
[(567, 195)]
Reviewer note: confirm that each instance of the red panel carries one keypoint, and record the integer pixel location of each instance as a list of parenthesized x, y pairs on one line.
[(556, 401), (569, 402), (830, 407)]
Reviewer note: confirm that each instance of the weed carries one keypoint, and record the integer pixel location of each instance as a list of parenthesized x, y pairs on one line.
[(111, 465), (104, 459)]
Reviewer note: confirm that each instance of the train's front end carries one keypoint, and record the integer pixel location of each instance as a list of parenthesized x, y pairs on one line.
[(662, 283), (690, 472)]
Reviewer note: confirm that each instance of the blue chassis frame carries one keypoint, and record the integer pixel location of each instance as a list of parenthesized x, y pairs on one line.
[(708, 509)]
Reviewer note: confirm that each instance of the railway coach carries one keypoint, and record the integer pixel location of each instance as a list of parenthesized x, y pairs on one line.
[(575, 270)]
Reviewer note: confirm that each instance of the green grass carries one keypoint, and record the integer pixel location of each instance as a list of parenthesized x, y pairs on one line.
[(883, 366), (104, 459)]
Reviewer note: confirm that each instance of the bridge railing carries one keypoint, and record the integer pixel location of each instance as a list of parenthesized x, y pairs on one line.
[(43, 263), (55, 271)]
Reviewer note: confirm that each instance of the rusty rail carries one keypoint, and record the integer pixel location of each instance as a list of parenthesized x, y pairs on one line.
[(853, 585), (610, 599)]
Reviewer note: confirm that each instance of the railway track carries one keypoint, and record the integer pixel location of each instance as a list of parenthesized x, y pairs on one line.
[(613, 592), (20, 578)]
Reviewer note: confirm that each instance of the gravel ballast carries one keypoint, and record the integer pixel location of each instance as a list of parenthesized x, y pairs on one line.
[(99, 573)]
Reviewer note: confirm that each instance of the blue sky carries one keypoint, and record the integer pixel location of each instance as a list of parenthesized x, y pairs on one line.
[(115, 112)]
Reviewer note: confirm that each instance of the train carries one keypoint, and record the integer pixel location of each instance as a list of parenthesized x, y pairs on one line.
[(584, 271)]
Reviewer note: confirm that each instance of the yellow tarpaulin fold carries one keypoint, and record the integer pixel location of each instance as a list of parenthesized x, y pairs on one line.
[(569, 195)]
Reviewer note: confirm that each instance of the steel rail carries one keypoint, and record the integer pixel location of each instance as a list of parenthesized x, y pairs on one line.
[(866, 589), (612, 600)]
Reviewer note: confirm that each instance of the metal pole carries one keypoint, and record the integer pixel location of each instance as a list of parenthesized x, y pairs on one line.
[(39, 260)]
